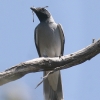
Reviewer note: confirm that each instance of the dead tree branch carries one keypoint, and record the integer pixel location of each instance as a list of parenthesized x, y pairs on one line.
[(44, 64)]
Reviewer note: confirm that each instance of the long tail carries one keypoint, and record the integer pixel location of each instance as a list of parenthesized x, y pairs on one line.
[(53, 87)]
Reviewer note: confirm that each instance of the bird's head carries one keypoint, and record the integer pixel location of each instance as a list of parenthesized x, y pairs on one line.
[(41, 12)]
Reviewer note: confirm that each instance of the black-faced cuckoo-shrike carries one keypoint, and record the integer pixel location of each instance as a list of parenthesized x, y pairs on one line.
[(49, 41)]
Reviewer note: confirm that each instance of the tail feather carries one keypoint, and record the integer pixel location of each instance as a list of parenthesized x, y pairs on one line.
[(51, 94)]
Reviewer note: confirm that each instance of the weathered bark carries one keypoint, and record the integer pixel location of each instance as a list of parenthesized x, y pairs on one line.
[(44, 64)]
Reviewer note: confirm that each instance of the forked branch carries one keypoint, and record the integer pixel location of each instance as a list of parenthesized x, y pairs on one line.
[(45, 64)]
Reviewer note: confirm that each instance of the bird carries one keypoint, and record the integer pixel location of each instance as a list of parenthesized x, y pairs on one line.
[(49, 41)]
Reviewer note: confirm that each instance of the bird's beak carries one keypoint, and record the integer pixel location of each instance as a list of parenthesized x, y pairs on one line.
[(33, 9)]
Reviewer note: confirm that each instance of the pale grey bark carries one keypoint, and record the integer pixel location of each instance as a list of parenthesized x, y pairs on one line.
[(41, 64)]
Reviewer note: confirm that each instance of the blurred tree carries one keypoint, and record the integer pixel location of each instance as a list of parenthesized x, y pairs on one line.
[(17, 91)]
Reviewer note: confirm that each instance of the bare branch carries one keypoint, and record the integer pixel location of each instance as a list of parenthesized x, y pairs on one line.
[(45, 64)]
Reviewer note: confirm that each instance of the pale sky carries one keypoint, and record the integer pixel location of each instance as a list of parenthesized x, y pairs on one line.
[(81, 23)]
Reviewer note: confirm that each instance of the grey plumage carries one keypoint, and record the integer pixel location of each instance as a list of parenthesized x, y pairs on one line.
[(49, 41)]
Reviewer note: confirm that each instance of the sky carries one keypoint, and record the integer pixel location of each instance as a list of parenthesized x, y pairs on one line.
[(80, 20)]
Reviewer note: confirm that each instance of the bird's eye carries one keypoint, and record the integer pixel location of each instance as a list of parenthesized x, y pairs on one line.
[(42, 9)]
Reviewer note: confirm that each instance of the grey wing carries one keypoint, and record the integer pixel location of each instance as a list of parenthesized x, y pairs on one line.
[(61, 32), (37, 41), (49, 93)]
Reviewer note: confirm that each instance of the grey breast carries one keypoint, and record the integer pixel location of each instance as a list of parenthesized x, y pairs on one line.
[(49, 41)]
